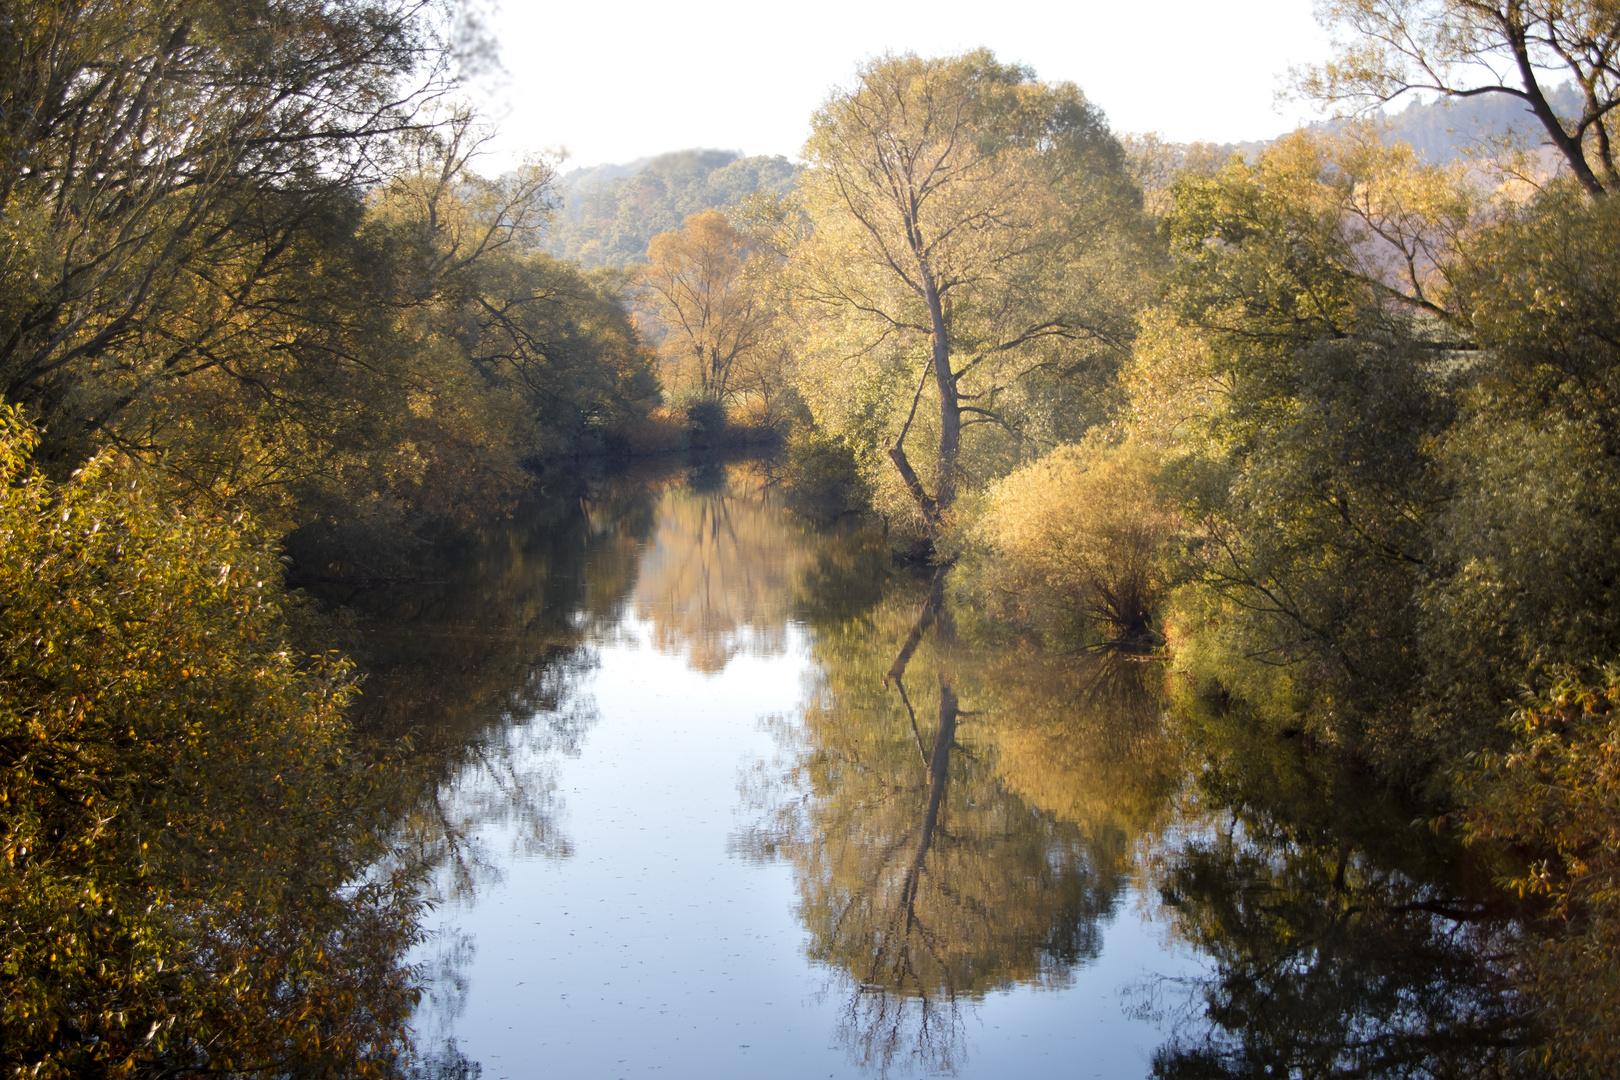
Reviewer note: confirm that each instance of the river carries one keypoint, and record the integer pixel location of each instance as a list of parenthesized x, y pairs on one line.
[(720, 791)]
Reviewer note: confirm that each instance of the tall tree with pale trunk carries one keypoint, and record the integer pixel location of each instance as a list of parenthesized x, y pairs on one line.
[(978, 223)]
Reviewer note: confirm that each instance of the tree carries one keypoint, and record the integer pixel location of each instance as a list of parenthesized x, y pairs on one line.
[(1555, 794), (1083, 526), (1467, 48), (245, 246), (964, 215), (189, 842), (713, 323), (164, 160), (1304, 391)]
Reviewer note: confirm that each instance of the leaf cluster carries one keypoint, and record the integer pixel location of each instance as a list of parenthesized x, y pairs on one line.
[(182, 820)]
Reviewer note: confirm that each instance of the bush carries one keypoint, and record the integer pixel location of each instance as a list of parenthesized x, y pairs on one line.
[(821, 470), (706, 422), (1555, 795), (184, 875), (1079, 534)]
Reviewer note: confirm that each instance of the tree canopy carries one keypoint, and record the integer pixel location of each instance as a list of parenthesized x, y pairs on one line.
[(1471, 48), (967, 230)]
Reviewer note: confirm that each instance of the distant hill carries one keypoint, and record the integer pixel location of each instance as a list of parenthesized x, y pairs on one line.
[(610, 212), (1444, 130), (1440, 131)]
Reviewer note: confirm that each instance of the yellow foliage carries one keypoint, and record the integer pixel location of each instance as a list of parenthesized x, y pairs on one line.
[(1083, 739), (709, 310), (1083, 525), (176, 895), (1171, 382), (1556, 794)]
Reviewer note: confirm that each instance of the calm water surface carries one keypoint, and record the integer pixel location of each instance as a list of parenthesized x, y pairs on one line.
[(709, 816)]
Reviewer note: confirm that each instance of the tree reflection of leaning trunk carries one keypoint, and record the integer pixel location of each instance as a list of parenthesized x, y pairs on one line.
[(932, 611), (939, 774), (894, 971)]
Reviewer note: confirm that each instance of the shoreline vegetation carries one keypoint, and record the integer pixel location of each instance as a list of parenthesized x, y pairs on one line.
[(1330, 427)]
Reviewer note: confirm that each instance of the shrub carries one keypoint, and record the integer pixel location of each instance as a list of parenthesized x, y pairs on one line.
[(821, 470), (1082, 529), (183, 868), (1555, 795), (705, 422)]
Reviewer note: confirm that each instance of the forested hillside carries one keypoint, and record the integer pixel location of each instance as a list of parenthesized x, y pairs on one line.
[(609, 213), (1446, 129)]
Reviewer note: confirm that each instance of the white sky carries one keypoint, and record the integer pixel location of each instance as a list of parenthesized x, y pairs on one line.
[(629, 78)]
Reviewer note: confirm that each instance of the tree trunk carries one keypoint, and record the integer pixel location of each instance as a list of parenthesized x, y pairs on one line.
[(950, 408)]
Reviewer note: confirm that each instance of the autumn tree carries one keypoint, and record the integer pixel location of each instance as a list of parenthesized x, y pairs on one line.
[(245, 246), (165, 159), (1080, 530), (712, 318), (1468, 48), (967, 235), (188, 838)]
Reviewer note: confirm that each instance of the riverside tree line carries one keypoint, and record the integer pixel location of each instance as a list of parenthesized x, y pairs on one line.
[(1333, 429)]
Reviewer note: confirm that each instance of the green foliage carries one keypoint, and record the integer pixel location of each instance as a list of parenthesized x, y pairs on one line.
[(129, 266), (182, 820), (820, 469), (1555, 793), (1309, 463), (1527, 546), (608, 218), (1392, 418), (704, 421), (1524, 553), (276, 279)]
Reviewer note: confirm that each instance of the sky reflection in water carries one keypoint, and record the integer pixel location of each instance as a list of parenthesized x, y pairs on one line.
[(718, 855)]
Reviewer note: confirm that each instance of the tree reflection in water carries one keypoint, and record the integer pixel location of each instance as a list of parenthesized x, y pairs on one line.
[(929, 871), (961, 817), (472, 692), (966, 817), (718, 577), (1346, 940), (476, 673)]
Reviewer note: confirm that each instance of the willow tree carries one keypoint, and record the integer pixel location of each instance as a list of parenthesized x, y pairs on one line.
[(971, 230)]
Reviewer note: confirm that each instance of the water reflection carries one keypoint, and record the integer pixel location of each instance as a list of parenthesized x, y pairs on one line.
[(1346, 940), (929, 871), (961, 819), (719, 575), (477, 669)]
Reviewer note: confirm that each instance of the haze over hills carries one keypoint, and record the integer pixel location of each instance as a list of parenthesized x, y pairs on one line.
[(1444, 130), (609, 212)]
